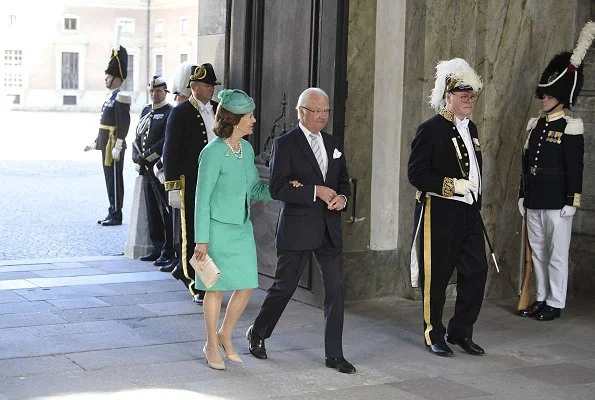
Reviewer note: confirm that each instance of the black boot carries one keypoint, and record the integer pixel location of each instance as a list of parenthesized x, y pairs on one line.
[(548, 313)]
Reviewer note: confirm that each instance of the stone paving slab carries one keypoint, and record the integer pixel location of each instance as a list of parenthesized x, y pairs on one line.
[(144, 338)]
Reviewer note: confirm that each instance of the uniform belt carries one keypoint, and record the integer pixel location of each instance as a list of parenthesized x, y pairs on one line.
[(111, 142), (545, 171)]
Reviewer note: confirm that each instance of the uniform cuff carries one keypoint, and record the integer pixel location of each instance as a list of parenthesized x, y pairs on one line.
[(172, 185)]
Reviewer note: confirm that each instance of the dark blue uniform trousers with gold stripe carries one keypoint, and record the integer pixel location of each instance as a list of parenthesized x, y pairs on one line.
[(451, 238)]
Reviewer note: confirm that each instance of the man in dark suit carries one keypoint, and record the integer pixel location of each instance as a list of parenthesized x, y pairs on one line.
[(309, 222), (189, 128), (146, 152), (445, 168)]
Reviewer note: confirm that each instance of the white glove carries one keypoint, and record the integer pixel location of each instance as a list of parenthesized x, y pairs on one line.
[(117, 149), (567, 211), (174, 199), (464, 187), (159, 173), (521, 206), (92, 146)]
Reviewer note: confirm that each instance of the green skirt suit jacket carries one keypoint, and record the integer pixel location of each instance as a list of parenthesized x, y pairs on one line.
[(225, 187)]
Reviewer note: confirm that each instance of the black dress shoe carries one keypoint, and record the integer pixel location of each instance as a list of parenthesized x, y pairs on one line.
[(467, 345), (256, 344), (100, 221), (169, 267), (341, 365), (533, 309), (162, 260), (548, 313), (149, 257), (177, 272), (440, 349), (111, 222)]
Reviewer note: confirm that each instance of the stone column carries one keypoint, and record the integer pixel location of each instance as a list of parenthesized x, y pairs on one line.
[(138, 242)]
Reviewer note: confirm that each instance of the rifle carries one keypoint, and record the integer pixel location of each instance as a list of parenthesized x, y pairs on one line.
[(528, 270)]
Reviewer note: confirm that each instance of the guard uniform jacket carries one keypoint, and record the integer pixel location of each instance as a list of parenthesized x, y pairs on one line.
[(434, 161), (185, 137), (115, 120), (150, 140), (552, 173)]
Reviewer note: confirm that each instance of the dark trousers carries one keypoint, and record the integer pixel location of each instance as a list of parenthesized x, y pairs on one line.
[(456, 242), (158, 216), (290, 266), (115, 193)]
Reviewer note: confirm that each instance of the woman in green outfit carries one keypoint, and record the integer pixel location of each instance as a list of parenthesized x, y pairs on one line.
[(227, 182)]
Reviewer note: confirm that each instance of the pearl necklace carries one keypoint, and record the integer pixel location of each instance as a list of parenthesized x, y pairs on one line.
[(237, 154)]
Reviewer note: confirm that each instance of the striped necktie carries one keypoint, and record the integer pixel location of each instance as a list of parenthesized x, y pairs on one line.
[(318, 153)]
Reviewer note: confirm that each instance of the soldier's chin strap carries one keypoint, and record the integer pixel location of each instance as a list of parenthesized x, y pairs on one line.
[(111, 82), (553, 108)]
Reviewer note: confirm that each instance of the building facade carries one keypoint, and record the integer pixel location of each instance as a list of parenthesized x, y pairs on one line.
[(61, 66)]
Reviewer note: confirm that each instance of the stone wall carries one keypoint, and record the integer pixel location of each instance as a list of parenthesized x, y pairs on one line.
[(509, 43)]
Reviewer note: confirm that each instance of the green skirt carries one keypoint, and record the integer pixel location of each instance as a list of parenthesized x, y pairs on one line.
[(233, 249)]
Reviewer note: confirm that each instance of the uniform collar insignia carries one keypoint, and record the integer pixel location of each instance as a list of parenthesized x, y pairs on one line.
[(194, 102), (554, 116), (447, 115)]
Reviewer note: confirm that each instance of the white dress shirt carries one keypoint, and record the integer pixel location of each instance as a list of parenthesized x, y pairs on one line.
[(474, 175), (320, 143), (208, 116)]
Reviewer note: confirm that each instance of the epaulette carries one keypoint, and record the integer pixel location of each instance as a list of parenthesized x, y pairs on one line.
[(574, 126), (532, 123), (123, 97)]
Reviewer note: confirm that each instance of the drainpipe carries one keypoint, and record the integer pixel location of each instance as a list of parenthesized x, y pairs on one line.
[(148, 48)]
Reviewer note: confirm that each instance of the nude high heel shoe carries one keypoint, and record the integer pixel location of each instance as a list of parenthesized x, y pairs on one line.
[(230, 356), (217, 366)]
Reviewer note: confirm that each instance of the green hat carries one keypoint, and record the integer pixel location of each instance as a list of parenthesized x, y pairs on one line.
[(236, 101)]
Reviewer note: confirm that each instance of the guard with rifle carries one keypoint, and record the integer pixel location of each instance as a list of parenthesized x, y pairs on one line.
[(113, 128), (146, 152), (445, 168), (551, 180)]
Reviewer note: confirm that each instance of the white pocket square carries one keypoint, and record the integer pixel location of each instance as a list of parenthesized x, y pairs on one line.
[(336, 154)]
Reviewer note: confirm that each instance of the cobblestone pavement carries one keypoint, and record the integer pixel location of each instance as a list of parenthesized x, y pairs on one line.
[(54, 193)]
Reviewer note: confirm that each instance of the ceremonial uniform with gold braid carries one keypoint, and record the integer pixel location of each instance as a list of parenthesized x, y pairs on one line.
[(450, 234), (185, 137), (113, 125)]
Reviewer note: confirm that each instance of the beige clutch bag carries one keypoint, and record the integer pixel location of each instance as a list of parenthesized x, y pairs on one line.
[(206, 269)]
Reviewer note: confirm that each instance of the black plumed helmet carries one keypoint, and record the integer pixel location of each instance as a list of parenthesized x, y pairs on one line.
[(118, 63), (563, 77), (561, 80)]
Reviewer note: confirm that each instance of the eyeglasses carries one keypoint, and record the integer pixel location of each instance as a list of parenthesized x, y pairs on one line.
[(326, 111), (467, 98)]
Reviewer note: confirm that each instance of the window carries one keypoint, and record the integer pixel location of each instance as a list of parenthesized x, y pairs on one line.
[(183, 57), (70, 24), (159, 27), (13, 74), (70, 70), (159, 64), (69, 100), (128, 84), (12, 19), (184, 25), (127, 26)]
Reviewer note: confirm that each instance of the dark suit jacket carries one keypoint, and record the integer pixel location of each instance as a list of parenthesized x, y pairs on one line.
[(303, 221)]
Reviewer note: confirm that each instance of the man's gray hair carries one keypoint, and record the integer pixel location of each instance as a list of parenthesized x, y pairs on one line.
[(306, 94)]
